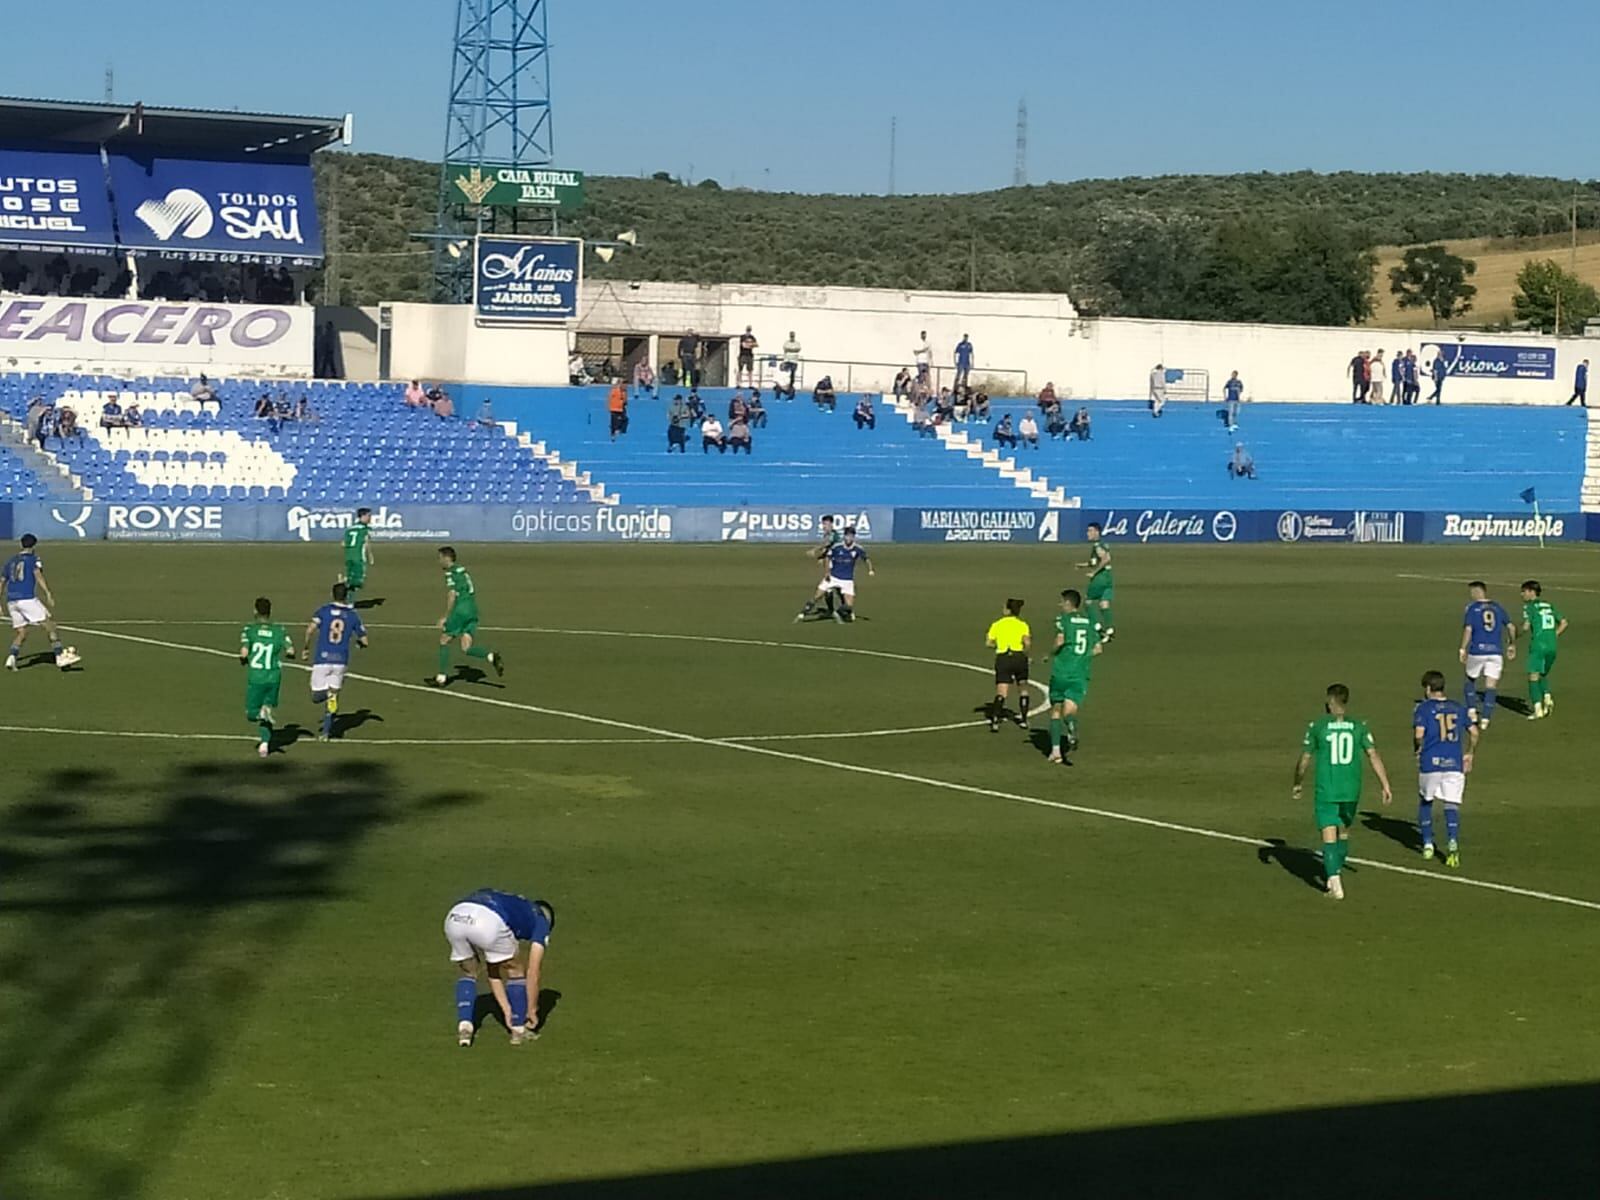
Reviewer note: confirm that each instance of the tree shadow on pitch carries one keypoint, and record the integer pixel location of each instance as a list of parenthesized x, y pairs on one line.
[(1303, 864), (1398, 830), (179, 886)]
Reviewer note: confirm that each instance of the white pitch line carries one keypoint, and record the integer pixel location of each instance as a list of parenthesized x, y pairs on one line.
[(898, 776), (1559, 587), (167, 735)]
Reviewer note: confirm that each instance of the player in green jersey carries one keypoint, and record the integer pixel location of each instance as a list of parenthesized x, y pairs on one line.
[(1078, 640), (357, 553), (262, 648), (1544, 624), (830, 538), (1101, 585), (460, 618), (1337, 742)]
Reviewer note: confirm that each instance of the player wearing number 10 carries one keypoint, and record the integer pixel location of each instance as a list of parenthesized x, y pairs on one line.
[(336, 627), (262, 648), (1337, 743)]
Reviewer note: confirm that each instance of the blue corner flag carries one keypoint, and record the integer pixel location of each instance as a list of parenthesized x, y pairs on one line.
[(1528, 497)]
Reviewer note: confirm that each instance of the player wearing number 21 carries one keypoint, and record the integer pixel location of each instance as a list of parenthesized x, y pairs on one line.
[(262, 648), (1337, 742), (336, 627)]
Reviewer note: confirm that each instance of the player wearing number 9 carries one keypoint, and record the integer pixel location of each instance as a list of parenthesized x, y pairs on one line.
[(336, 628), (1337, 742)]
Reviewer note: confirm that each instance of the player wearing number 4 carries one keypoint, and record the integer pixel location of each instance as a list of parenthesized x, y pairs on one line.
[(262, 648), (1488, 640), (336, 627), (1337, 742), (1444, 734), (24, 584), (1544, 624)]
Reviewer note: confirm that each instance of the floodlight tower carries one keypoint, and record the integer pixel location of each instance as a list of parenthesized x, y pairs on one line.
[(499, 115)]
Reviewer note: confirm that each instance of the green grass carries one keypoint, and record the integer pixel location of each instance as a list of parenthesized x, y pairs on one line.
[(226, 979)]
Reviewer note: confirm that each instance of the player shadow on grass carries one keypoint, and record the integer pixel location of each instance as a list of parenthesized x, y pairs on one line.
[(1396, 829), (284, 736), (1515, 704), (472, 675), (1303, 864), (487, 1011), (176, 887), (363, 605), (39, 658)]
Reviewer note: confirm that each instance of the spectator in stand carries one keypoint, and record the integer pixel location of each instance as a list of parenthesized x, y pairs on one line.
[(1360, 380), (112, 416), (963, 361), (823, 394), (1397, 379), (1413, 378), (1232, 396), (688, 355), (697, 408), (739, 434), (1375, 372), (1047, 396), (485, 418), (617, 406), (263, 408), (980, 407), (678, 422), (1158, 389), (416, 395), (963, 399), (737, 407), (39, 420), (1003, 433), (669, 374), (302, 409), (757, 410), (902, 383), (711, 435), (747, 359), (644, 379), (608, 371), (1440, 370), (944, 409), (133, 417), (791, 364), (12, 273), (1241, 465), (922, 355), (443, 406), (864, 417), (1028, 430), (1580, 385), (1055, 422), (202, 393), (67, 423), (577, 370), (1079, 426), (921, 417)]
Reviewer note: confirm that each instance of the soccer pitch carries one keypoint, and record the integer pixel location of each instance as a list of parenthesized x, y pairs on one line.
[(820, 931)]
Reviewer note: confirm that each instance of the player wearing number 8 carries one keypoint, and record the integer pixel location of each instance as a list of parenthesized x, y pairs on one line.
[(336, 627), (1337, 742), (262, 648)]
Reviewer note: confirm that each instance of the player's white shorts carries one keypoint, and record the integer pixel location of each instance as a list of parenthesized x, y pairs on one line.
[(1485, 666), (328, 677), (1442, 785), (845, 587), (27, 612), (471, 928)]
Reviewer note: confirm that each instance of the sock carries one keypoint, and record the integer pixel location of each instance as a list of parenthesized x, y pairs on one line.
[(846, 611), (1452, 821), (327, 720), (1072, 729), (477, 652), (444, 659), (1055, 734), (997, 709), (16, 649), (1425, 821), (265, 728), (1469, 694), (517, 993), (466, 998), (55, 647), (1022, 703), (1106, 621), (1332, 858), (1489, 697)]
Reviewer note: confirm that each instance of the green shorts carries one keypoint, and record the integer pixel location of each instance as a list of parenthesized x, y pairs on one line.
[(1541, 660), (1100, 588), (461, 622), (1336, 814), (1068, 689), (355, 571), (260, 695)]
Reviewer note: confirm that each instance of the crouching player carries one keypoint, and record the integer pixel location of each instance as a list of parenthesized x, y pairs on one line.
[(1445, 735), (488, 925), (336, 627)]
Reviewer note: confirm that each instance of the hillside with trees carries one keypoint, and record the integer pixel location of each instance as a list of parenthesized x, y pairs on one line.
[(1296, 248)]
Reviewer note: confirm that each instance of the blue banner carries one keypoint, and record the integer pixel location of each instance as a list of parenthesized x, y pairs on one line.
[(1476, 360), (51, 199), (217, 210), (527, 279), (1504, 527), (1345, 525)]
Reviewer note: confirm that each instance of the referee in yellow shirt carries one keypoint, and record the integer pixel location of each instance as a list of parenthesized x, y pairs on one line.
[(1011, 640)]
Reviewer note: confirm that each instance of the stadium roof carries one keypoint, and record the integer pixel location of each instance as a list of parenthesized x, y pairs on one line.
[(129, 126)]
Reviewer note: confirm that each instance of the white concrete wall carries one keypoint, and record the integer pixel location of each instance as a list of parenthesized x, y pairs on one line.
[(863, 335), (442, 341)]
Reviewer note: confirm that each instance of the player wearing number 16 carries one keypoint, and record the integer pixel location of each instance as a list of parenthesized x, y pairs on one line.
[(262, 648), (1337, 742), (336, 627)]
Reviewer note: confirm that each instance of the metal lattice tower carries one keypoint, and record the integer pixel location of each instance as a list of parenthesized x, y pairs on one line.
[(1019, 175), (499, 114)]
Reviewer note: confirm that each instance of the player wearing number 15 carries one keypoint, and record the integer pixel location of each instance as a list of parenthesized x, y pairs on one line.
[(336, 627), (262, 648), (1544, 624), (1445, 734), (1337, 742)]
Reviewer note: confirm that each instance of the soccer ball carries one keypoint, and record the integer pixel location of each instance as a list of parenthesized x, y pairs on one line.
[(69, 656)]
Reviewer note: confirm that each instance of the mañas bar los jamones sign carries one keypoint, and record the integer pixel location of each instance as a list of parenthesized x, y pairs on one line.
[(542, 187)]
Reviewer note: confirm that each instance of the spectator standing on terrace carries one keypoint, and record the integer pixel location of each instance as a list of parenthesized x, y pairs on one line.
[(1232, 397), (1003, 433), (1079, 427), (1439, 372), (1241, 465), (1359, 379), (922, 355), (791, 364), (678, 421), (963, 361), (1375, 371), (758, 411), (416, 395), (747, 358), (202, 393), (864, 417), (617, 405), (1028, 430), (644, 379), (38, 420), (688, 355), (1397, 379), (711, 435), (1410, 389), (1158, 390), (823, 394), (739, 434), (1580, 385)]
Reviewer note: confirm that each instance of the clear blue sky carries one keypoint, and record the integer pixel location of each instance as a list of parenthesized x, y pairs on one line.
[(798, 95)]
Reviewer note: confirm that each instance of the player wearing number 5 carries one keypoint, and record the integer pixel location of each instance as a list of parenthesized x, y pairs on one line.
[(1078, 640), (1337, 742), (336, 627), (1445, 734), (262, 648)]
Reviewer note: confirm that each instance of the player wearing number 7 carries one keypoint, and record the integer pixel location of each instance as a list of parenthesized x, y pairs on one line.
[(262, 648), (1337, 742), (336, 627)]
